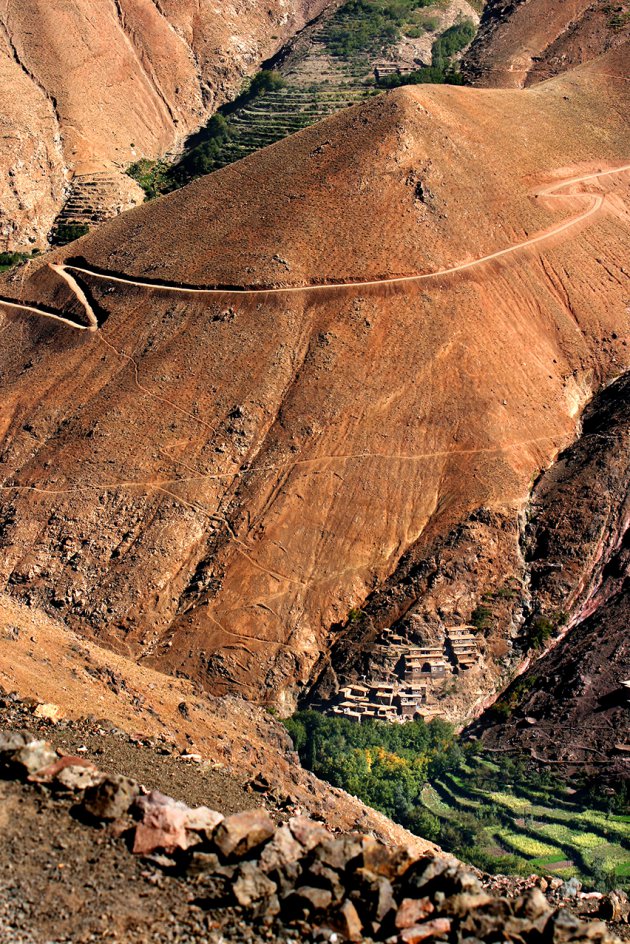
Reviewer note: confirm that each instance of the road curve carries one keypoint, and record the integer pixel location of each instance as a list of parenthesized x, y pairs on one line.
[(64, 269)]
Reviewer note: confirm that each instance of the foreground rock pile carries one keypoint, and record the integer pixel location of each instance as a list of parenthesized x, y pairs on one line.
[(295, 874)]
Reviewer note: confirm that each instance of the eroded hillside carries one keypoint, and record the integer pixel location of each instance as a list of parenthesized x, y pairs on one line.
[(213, 479), (526, 41), (90, 86)]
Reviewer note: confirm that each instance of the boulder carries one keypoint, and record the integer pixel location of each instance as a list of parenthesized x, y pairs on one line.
[(379, 858), (615, 906), (164, 828), (46, 774), (307, 899), (31, 758), (308, 833), (48, 712), (438, 927), (252, 885), (13, 740), (239, 834), (347, 921), (76, 778), (282, 850), (111, 798), (340, 853)]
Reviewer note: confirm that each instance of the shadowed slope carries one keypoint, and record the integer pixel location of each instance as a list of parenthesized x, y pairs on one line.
[(527, 41)]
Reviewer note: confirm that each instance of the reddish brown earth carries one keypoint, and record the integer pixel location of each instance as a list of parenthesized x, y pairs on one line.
[(90, 87), (209, 482), (523, 42)]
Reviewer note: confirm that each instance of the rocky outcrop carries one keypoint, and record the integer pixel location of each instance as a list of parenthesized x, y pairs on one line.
[(523, 42), (89, 88), (571, 705)]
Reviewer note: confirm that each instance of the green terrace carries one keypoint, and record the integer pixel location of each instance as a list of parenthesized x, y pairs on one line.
[(493, 810)]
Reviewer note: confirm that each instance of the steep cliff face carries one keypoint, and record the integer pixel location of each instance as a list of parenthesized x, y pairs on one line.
[(571, 705), (210, 481), (90, 86), (522, 42)]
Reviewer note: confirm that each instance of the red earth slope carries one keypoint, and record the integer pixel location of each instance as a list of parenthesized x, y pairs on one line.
[(209, 482)]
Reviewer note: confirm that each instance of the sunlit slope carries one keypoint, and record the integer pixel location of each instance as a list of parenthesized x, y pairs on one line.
[(210, 481)]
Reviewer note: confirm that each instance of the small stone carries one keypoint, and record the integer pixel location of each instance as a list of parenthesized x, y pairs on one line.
[(571, 888), (48, 712), (422, 932), (209, 864), (238, 834), (412, 911), (33, 757), (252, 885), (111, 798)]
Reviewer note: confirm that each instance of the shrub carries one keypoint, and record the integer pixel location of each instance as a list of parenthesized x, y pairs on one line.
[(10, 259), (481, 617), (68, 232)]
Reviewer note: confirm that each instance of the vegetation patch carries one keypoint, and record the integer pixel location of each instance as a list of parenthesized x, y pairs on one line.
[(499, 813), (8, 260), (270, 106), (67, 233)]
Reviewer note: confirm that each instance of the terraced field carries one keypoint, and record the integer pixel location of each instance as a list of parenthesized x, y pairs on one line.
[(535, 830)]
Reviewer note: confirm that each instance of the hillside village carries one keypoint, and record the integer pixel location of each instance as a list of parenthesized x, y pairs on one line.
[(408, 675)]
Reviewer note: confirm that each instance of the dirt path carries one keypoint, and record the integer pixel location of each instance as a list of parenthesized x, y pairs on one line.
[(596, 202)]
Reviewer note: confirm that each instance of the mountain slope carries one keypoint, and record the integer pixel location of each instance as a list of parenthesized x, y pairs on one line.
[(526, 41), (209, 482), (91, 86)]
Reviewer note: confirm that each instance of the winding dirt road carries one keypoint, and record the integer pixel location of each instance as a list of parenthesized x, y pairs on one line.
[(596, 202)]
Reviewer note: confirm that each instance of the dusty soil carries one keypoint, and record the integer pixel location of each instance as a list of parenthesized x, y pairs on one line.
[(157, 765), (197, 484), (43, 661)]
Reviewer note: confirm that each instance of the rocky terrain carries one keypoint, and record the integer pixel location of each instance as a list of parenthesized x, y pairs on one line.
[(207, 747), (571, 706), (122, 862), (201, 483), (90, 87), (524, 42)]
